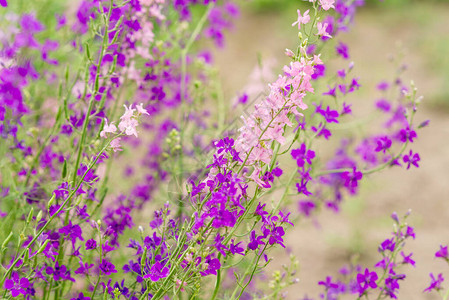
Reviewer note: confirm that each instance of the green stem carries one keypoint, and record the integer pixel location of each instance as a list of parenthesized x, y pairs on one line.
[(64, 204)]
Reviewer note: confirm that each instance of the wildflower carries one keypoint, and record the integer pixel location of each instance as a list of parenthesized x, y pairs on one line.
[(3, 3), (108, 128), (328, 284), (84, 268), (435, 283), (342, 50), (81, 297), (59, 272), (128, 123), (383, 144), (410, 232), (17, 285), (366, 280), (327, 4), (388, 244), (331, 92), (141, 110), (407, 259), (115, 144), (302, 155), (306, 207), (442, 253), (411, 159), (352, 179), (407, 134), (322, 30), (107, 267), (304, 19), (157, 272)]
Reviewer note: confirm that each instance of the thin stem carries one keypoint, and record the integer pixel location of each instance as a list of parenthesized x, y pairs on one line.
[(64, 204)]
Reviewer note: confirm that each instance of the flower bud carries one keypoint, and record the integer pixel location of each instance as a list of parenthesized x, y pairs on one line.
[(395, 217), (6, 241), (39, 216), (50, 202), (30, 215), (44, 245), (289, 53)]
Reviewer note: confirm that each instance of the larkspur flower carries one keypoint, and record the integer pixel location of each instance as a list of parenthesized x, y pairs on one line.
[(383, 144), (342, 50), (366, 280), (157, 272), (108, 128), (327, 4), (435, 283), (411, 159), (302, 19), (442, 253), (352, 179), (16, 285), (322, 29), (407, 259), (107, 268)]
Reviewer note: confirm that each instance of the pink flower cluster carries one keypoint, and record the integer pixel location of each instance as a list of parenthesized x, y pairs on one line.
[(128, 124), (266, 123)]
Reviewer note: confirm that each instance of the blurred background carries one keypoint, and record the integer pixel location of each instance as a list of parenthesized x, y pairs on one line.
[(419, 32)]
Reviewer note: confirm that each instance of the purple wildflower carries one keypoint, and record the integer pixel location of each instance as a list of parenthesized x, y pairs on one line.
[(442, 253), (342, 50), (435, 283), (157, 272), (17, 285), (411, 159), (366, 280)]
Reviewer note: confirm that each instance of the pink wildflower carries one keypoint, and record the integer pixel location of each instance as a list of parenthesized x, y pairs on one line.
[(302, 19), (322, 29), (327, 4), (141, 110), (115, 144), (128, 122), (108, 128)]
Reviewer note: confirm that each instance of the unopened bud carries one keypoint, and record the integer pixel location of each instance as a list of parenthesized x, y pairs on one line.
[(50, 202), (289, 53), (44, 245), (30, 215), (6, 241), (39, 216)]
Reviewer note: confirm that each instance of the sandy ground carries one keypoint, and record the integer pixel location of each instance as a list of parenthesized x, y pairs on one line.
[(364, 222)]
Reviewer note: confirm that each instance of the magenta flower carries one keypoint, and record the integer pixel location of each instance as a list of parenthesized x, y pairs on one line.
[(383, 144), (342, 50), (81, 297), (107, 267), (435, 283), (411, 159), (407, 259), (366, 280), (17, 285), (157, 272), (302, 155), (3, 3), (352, 179), (442, 252)]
